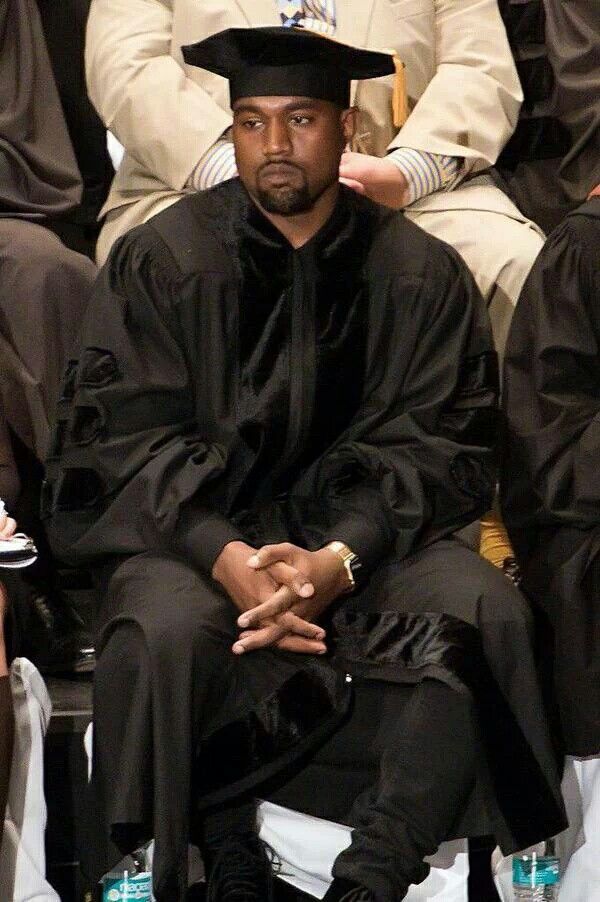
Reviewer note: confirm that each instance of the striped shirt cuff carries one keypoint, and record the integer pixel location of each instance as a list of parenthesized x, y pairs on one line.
[(217, 165), (425, 172), (318, 25)]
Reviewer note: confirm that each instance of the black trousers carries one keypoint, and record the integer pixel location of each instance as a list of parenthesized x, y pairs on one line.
[(416, 762), (426, 773), (180, 720)]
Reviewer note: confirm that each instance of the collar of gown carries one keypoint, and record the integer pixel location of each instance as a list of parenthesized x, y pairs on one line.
[(330, 238)]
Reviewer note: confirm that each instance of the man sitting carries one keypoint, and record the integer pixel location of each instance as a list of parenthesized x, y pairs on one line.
[(551, 495), (272, 408)]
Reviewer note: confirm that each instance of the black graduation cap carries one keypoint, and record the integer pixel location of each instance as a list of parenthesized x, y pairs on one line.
[(281, 62)]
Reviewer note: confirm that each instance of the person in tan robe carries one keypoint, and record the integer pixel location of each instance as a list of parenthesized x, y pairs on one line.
[(463, 102)]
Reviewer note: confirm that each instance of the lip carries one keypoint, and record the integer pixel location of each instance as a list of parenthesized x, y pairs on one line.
[(279, 172)]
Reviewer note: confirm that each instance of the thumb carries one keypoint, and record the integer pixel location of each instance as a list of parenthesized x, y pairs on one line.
[(354, 184)]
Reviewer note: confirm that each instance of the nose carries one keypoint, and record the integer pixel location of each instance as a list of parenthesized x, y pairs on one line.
[(276, 139)]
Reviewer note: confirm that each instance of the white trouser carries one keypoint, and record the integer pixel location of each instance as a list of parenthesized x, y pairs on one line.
[(579, 847), (22, 857)]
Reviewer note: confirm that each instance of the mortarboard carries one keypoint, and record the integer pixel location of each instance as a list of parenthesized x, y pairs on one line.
[(277, 61)]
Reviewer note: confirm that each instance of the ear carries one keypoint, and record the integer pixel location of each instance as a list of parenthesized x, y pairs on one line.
[(348, 120)]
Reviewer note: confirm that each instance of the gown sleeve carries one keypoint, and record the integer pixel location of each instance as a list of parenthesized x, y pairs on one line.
[(129, 469), (552, 391), (418, 461)]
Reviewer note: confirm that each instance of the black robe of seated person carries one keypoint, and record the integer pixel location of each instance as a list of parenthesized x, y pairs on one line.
[(551, 485), (230, 387)]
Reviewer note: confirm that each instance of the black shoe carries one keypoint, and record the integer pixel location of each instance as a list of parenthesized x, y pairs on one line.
[(511, 569), (241, 871), (55, 637), (360, 894), (345, 891)]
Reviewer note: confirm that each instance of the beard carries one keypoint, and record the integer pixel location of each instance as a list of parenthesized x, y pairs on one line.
[(286, 201), (290, 198)]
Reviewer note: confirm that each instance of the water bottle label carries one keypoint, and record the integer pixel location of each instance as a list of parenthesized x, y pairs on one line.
[(137, 888), (540, 872)]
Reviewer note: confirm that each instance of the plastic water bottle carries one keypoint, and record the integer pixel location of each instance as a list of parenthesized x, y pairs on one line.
[(536, 874), (131, 881)]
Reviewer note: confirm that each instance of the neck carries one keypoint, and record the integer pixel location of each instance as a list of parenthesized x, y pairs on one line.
[(301, 227)]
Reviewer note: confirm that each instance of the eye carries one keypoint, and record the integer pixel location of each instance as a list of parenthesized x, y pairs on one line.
[(251, 124), (301, 119)]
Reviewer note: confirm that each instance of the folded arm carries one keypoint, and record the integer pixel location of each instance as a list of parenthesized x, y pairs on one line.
[(143, 94), (470, 107)]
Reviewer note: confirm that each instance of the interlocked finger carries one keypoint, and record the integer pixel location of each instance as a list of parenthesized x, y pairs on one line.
[(286, 575), (261, 638), (301, 646), (280, 602), (300, 627), (270, 554)]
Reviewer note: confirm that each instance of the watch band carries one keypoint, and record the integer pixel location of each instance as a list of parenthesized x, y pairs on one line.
[(350, 561)]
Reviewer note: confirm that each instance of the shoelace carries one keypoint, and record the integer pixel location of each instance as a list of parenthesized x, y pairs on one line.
[(241, 872)]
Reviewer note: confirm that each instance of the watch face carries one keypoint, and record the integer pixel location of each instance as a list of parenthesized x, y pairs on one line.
[(355, 565), (351, 562)]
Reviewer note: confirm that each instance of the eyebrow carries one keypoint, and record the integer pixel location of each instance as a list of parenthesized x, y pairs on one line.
[(297, 104)]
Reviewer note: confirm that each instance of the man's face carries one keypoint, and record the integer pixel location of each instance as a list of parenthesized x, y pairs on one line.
[(288, 149)]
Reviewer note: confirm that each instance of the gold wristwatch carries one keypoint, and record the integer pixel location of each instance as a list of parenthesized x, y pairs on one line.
[(350, 561)]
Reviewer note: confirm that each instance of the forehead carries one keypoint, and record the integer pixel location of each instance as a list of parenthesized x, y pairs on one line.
[(273, 105)]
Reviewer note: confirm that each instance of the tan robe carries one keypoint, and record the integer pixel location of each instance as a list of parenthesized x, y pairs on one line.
[(463, 91)]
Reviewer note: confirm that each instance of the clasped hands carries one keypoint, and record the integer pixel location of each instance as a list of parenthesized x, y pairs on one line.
[(280, 591)]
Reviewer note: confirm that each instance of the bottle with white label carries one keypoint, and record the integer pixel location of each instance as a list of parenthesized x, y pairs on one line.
[(536, 874), (130, 881)]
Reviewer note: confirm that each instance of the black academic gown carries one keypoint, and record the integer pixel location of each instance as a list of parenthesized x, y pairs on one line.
[(229, 387), (550, 484), (552, 161)]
